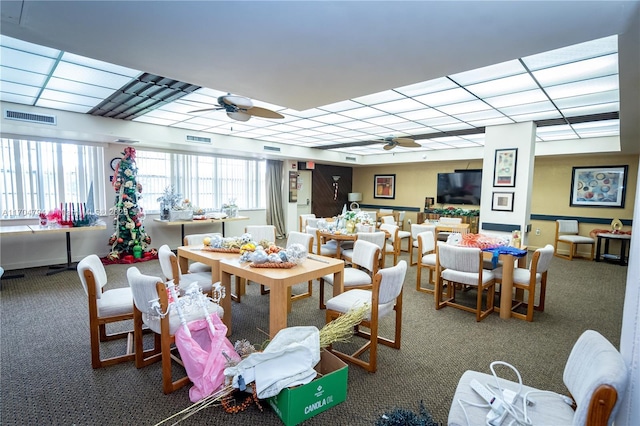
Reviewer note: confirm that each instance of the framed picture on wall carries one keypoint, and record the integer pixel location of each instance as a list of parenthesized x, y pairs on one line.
[(598, 186), (502, 201), (384, 186), (504, 168)]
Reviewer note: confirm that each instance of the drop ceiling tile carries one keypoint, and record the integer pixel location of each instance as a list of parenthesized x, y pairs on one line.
[(26, 61), (591, 109), (331, 119), (79, 73), (99, 65), (16, 98), (519, 98), (590, 99), (15, 75), (53, 104), (19, 89), (378, 98), (584, 87), (341, 106), (71, 98), (78, 87), (25, 46), (362, 113), (422, 114), (445, 97), (528, 108), (503, 86), (385, 119), (400, 105), (189, 126), (491, 72), (583, 70), (464, 107), (430, 86), (543, 115), (577, 52)]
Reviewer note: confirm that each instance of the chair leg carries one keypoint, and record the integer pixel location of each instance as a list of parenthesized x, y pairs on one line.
[(321, 291)]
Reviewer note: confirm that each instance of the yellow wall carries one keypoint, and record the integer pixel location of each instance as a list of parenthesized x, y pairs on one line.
[(550, 196)]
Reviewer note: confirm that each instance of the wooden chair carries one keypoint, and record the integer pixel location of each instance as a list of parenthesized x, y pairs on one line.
[(567, 233), (463, 266), (595, 374), (377, 237), (415, 230), (196, 239), (402, 235), (171, 271), (528, 279), (145, 290), (385, 297), (364, 265), (393, 242), (302, 221), (330, 248), (427, 259), (443, 220), (105, 307)]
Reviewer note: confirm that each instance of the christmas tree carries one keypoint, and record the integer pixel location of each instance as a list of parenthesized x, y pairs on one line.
[(129, 237)]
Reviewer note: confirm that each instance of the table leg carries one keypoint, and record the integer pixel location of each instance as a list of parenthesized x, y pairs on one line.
[(506, 289), (598, 245), (338, 282), (69, 266), (223, 229), (182, 240), (277, 309), (183, 263), (225, 280), (623, 251)]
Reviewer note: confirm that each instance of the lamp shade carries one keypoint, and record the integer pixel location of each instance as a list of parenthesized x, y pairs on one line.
[(355, 196)]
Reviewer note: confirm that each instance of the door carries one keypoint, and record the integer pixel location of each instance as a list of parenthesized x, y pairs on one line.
[(304, 192)]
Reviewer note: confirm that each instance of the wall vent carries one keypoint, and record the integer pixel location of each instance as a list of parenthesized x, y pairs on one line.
[(271, 148), (350, 158), (125, 141), (198, 139), (31, 118)]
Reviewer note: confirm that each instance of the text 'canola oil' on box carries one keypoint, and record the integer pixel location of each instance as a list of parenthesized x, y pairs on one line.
[(297, 404)]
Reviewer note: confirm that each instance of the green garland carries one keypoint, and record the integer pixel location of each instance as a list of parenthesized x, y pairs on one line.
[(454, 211)]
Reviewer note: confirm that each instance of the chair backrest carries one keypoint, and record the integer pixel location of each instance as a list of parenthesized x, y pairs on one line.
[(302, 221), (300, 238), (316, 242), (458, 258), (388, 219), (377, 238), (195, 239), (567, 226), (392, 230), (168, 263), (426, 242), (365, 254), (262, 232), (544, 256), (143, 288), (313, 222), (361, 227), (391, 281), (94, 264), (419, 228), (388, 212), (594, 362), (450, 220)]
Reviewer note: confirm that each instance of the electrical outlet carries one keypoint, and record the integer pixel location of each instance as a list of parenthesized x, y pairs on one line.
[(537, 231)]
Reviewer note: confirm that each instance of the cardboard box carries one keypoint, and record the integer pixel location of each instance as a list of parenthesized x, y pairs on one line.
[(297, 404)]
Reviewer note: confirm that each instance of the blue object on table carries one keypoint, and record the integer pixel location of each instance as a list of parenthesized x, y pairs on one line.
[(497, 251)]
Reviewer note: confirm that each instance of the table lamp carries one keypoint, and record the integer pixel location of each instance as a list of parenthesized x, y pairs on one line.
[(354, 197)]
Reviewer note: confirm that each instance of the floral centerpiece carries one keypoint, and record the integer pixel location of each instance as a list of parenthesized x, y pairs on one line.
[(352, 218), (168, 200)]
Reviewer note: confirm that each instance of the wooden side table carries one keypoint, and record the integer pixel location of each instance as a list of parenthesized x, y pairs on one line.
[(609, 257)]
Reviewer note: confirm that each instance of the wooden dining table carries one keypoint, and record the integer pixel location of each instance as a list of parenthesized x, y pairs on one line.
[(279, 282), (339, 237)]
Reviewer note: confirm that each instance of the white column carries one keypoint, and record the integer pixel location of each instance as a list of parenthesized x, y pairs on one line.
[(520, 136)]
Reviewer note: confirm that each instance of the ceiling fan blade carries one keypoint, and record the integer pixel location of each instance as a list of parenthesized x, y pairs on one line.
[(206, 109), (263, 112), (406, 142), (389, 146)]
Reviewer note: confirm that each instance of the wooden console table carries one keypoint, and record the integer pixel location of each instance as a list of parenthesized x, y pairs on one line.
[(182, 223)]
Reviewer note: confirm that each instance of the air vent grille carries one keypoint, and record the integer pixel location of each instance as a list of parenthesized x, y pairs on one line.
[(271, 148), (31, 118), (198, 139), (125, 141), (350, 158)]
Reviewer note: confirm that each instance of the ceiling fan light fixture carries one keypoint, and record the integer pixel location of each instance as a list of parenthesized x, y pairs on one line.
[(239, 116), (238, 101)]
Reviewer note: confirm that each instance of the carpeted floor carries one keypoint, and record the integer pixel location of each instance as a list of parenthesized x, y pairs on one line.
[(46, 375)]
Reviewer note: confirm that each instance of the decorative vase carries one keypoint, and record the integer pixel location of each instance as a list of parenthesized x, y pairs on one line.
[(350, 226)]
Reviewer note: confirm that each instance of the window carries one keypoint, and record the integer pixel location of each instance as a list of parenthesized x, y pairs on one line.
[(207, 181), (38, 176)]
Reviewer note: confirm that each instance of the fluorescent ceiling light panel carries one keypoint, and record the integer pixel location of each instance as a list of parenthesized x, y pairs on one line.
[(21, 76), (341, 106), (308, 113), (591, 109), (577, 52), (585, 87), (331, 119), (519, 98), (543, 115), (528, 108), (17, 44), (377, 98), (19, 89), (590, 99), (362, 112), (410, 127), (491, 72), (26, 61), (449, 127), (355, 125), (422, 114), (445, 97), (480, 115), (436, 85), (75, 72), (16, 98), (63, 85), (400, 105), (46, 103), (99, 65), (464, 107), (503, 86), (490, 122), (71, 98), (385, 119), (168, 115), (583, 70), (189, 126)]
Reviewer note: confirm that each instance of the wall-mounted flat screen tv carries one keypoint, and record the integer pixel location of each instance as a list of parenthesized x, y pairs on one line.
[(461, 187)]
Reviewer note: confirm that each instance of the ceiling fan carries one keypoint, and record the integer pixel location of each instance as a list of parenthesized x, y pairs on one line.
[(240, 108), (391, 142)]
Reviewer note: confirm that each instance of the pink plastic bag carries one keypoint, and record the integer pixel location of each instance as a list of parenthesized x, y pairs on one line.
[(202, 355)]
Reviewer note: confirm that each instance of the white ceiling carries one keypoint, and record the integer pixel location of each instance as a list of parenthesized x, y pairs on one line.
[(321, 56)]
